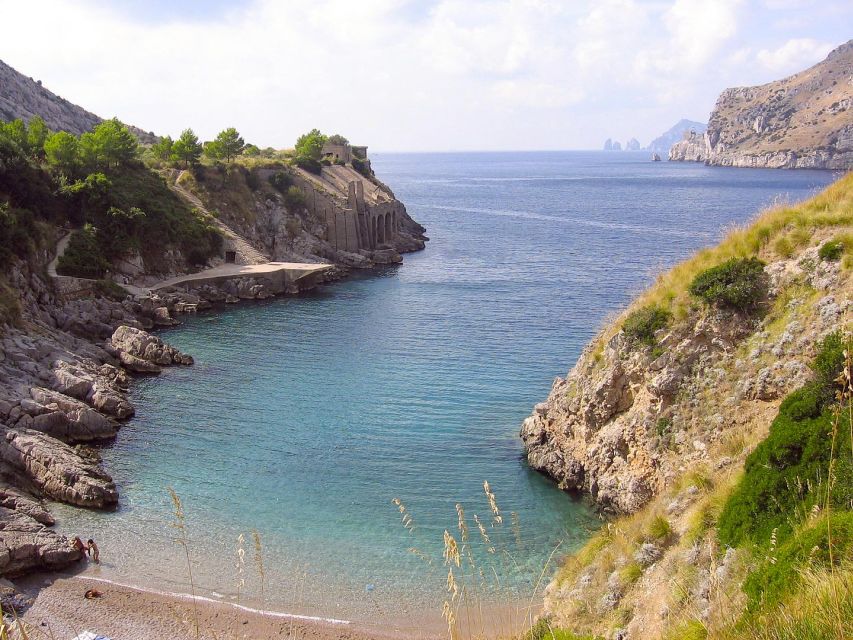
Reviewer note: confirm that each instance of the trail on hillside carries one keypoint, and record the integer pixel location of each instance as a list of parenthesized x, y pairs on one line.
[(248, 253)]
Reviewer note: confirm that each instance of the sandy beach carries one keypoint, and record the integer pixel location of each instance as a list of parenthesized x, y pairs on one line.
[(61, 612)]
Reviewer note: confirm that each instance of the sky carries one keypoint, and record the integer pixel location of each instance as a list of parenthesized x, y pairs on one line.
[(415, 75)]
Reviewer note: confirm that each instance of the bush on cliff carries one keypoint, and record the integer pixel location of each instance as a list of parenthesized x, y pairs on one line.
[(640, 325), (812, 546), (786, 475), (294, 198), (831, 251), (83, 257), (737, 283)]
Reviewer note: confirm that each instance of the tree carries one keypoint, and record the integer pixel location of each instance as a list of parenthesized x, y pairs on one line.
[(187, 148), (310, 145), (162, 149), (110, 144), (337, 138), (229, 144), (37, 133), (251, 150), (16, 131), (213, 150), (62, 152)]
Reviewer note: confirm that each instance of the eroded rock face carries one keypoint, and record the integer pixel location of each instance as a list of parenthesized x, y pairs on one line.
[(597, 431), (65, 418), (804, 121), (58, 470), (27, 545), (133, 345)]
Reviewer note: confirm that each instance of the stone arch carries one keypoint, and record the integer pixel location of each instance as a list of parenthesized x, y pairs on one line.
[(389, 231), (380, 229), (372, 224)]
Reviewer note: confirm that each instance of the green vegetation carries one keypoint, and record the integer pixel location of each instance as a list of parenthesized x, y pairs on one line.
[(640, 325), (543, 631), (187, 148), (294, 198), (97, 184), (309, 151), (83, 257), (737, 283), (777, 575), (226, 146), (831, 251), (788, 470)]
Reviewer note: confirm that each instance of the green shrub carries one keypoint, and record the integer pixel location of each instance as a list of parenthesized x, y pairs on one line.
[(779, 573), (280, 181), (737, 283), (659, 529), (787, 472), (362, 166), (641, 325), (542, 630), (83, 257), (831, 251), (294, 198), (308, 164)]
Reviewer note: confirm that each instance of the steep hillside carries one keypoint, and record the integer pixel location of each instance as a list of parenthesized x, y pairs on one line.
[(663, 143), (662, 410), (292, 215), (22, 97), (803, 121)]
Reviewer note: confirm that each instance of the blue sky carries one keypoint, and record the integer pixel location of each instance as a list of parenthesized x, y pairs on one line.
[(410, 75)]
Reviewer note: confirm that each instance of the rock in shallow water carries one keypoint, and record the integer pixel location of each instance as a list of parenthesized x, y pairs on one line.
[(26, 545), (57, 469)]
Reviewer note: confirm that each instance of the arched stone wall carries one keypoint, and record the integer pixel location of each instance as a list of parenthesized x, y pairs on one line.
[(389, 231)]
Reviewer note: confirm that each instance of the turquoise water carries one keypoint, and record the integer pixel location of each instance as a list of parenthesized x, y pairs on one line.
[(304, 417)]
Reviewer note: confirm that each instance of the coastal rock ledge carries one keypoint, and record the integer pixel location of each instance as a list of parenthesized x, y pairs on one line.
[(629, 419)]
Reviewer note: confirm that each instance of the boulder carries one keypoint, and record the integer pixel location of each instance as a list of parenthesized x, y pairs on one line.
[(141, 344), (58, 470), (69, 419), (27, 545)]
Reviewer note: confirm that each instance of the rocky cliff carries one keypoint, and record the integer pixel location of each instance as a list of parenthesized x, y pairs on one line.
[(22, 97), (657, 430), (803, 121)]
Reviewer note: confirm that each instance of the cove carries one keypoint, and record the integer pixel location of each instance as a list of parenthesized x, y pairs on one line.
[(304, 417)]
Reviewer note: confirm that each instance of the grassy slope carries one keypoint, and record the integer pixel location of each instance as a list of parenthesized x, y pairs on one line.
[(667, 598)]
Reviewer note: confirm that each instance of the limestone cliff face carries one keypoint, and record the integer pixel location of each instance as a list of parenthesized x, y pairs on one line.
[(22, 97), (803, 121), (342, 217), (627, 419)]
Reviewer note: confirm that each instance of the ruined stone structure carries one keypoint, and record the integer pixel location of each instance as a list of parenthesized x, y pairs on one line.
[(354, 220)]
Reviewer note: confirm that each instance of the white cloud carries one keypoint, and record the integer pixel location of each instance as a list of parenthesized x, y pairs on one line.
[(795, 55), (456, 73)]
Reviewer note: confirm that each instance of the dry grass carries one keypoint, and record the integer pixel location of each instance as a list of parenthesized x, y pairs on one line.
[(787, 226)]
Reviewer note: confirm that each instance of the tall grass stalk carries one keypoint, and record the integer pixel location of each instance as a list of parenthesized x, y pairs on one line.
[(180, 525), (259, 563)]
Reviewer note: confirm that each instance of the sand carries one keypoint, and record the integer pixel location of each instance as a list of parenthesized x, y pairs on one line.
[(61, 612)]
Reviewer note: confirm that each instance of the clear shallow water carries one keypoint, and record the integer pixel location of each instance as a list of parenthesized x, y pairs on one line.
[(303, 417)]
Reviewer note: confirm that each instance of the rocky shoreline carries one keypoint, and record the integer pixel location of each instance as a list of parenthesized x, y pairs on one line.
[(65, 373)]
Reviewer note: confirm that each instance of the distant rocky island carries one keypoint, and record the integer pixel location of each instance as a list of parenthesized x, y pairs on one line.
[(802, 121)]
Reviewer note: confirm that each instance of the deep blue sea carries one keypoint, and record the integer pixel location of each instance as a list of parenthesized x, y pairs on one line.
[(304, 417)]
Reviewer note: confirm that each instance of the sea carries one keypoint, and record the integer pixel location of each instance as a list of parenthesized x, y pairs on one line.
[(324, 446)]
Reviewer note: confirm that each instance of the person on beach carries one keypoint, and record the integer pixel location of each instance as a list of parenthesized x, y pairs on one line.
[(93, 551), (77, 545)]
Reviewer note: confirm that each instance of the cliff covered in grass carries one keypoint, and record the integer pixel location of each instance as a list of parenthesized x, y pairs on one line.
[(706, 419)]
